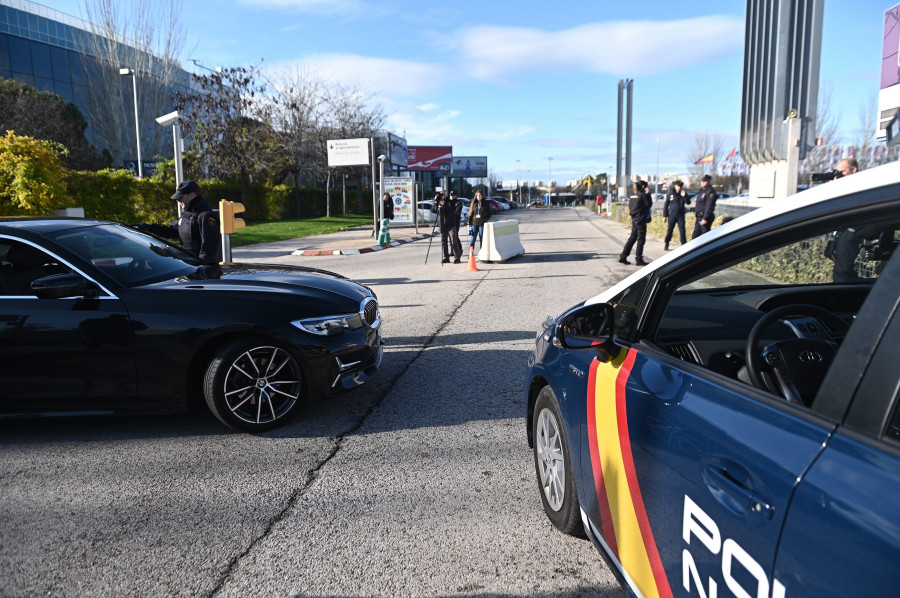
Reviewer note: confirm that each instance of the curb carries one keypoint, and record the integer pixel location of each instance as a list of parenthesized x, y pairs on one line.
[(361, 250)]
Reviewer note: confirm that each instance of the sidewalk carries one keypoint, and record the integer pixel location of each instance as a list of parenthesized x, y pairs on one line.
[(348, 242)]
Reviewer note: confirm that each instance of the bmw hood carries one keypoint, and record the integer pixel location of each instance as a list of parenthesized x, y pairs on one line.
[(273, 279)]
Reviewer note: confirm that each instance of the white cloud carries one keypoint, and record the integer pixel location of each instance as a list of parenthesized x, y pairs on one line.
[(375, 75), (313, 6), (618, 48)]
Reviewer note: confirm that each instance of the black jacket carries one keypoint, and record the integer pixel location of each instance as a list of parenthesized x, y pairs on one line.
[(448, 214), (705, 204), (640, 207), (198, 229), (388, 208), (676, 204)]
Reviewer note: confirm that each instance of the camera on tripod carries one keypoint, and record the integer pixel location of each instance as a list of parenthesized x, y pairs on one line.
[(826, 176)]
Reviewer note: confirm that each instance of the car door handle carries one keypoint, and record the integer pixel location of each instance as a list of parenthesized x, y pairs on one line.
[(734, 495)]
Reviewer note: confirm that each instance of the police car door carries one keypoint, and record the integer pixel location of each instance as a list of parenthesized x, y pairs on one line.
[(842, 534), (694, 470)]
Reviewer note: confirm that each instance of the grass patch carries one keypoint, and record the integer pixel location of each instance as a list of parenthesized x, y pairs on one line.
[(282, 230)]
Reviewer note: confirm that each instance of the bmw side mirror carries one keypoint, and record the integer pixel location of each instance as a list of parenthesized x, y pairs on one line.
[(589, 327), (58, 286)]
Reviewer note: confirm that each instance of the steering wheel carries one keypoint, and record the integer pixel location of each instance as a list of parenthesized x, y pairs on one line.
[(797, 365)]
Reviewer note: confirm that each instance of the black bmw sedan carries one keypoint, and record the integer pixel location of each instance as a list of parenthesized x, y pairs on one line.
[(98, 318)]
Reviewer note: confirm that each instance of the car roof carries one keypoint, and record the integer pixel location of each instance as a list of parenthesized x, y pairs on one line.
[(42, 225), (872, 178)]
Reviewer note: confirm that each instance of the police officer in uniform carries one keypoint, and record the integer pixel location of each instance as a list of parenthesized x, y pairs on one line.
[(198, 227), (673, 212), (704, 207)]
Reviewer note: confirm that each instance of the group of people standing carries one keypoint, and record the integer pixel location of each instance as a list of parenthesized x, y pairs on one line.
[(449, 217), (677, 201)]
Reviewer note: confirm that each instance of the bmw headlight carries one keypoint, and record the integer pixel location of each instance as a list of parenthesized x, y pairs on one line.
[(326, 326)]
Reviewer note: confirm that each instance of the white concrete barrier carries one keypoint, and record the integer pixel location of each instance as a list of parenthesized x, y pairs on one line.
[(501, 241)]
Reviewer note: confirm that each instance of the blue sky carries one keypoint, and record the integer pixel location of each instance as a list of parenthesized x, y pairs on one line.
[(524, 81)]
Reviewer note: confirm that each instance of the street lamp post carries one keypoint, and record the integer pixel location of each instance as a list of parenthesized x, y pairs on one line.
[(381, 160), (549, 180), (519, 180), (173, 119), (657, 166), (137, 124)]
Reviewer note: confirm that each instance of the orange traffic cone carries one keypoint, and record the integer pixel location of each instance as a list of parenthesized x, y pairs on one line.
[(472, 267)]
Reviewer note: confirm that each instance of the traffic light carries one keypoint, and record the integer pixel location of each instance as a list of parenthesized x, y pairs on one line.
[(227, 222)]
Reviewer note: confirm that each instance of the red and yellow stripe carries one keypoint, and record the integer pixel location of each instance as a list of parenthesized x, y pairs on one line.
[(624, 522)]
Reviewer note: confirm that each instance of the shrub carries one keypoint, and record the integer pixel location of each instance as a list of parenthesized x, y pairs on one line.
[(32, 176)]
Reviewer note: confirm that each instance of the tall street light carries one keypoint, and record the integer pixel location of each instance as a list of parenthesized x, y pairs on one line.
[(173, 119), (549, 180), (137, 124), (657, 167), (519, 181)]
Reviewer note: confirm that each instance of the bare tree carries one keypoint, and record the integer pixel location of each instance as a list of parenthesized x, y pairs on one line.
[(228, 120), (143, 36), (864, 137), (308, 112), (705, 144), (296, 115), (826, 133)]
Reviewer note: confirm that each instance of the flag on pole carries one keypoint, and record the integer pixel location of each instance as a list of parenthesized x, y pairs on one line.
[(731, 155), (705, 160)]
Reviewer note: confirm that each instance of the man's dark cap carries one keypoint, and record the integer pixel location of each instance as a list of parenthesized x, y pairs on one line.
[(185, 187), (706, 178), (679, 183), (453, 194)]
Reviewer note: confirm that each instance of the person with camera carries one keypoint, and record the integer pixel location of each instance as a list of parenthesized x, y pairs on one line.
[(449, 212), (704, 207), (673, 211), (640, 206)]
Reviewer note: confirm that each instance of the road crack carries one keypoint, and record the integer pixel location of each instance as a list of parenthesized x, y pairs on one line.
[(312, 474)]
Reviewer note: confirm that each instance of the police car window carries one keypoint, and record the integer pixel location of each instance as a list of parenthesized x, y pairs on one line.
[(626, 308), (842, 256), (709, 318)]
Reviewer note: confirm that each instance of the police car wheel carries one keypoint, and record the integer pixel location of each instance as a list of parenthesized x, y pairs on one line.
[(553, 465), (253, 385)]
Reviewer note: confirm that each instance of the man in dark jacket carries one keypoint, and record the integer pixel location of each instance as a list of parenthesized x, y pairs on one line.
[(198, 227), (676, 204), (704, 207), (449, 212), (640, 206)]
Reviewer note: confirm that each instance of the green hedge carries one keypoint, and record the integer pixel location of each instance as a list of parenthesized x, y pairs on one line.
[(117, 195)]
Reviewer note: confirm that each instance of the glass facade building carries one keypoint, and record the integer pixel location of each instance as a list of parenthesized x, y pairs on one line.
[(45, 49)]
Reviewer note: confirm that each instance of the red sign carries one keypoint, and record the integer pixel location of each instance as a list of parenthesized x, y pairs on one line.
[(429, 157)]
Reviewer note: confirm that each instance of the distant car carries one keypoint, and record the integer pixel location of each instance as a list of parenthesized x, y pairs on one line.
[(500, 200), (726, 420), (496, 207), (102, 319), (424, 213)]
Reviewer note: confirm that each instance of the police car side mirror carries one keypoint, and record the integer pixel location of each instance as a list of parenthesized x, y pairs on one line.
[(589, 327)]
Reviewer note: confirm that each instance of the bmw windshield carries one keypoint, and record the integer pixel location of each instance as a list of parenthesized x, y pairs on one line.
[(129, 257)]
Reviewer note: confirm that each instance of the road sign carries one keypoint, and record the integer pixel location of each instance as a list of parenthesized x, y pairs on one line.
[(348, 152)]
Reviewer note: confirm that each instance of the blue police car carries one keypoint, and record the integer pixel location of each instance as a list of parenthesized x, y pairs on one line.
[(725, 421)]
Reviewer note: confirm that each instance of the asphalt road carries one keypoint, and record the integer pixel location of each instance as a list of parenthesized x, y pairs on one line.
[(419, 484)]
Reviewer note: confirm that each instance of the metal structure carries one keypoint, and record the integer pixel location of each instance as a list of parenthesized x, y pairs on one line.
[(625, 85), (783, 42)]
